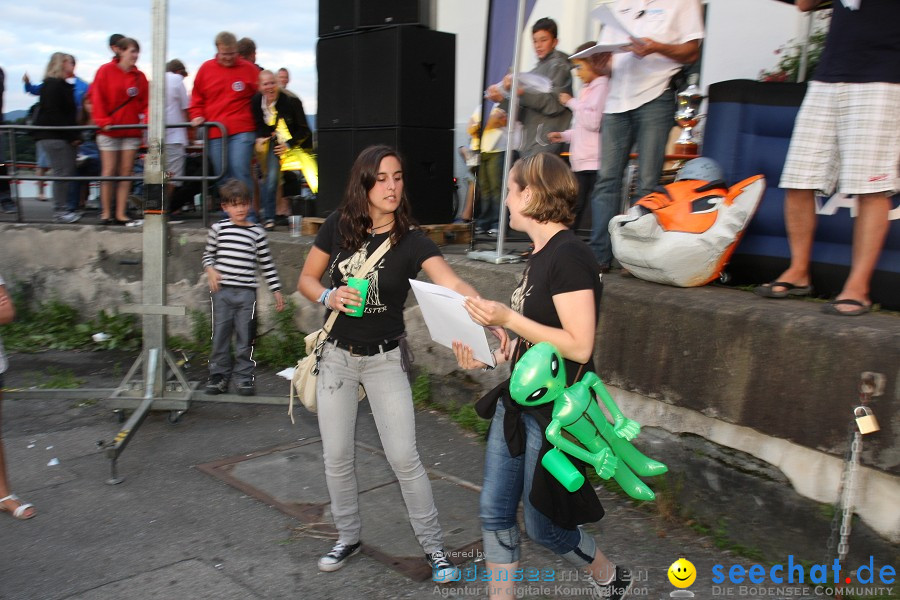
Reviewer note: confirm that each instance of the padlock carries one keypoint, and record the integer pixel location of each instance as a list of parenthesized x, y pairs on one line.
[(866, 422)]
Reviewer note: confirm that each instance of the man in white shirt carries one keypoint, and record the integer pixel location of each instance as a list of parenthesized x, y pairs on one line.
[(177, 102), (640, 107)]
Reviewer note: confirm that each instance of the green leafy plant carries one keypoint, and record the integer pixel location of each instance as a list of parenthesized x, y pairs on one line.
[(282, 344), (787, 69), (54, 325)]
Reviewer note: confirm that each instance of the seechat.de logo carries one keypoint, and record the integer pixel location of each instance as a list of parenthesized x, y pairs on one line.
[(794, 573)]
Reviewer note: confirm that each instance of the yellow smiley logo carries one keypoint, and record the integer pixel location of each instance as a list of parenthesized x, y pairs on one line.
[(682, 573)]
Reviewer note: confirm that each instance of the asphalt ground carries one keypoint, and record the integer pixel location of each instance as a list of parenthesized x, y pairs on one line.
[(172, 529)]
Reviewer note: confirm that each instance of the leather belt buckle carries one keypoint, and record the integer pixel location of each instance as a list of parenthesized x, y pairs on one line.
[(354, 351)]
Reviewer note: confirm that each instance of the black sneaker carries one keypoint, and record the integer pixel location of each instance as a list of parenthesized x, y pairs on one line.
[(217, 384), (246, 388), (615, 589), (442, 570), (338, 556)]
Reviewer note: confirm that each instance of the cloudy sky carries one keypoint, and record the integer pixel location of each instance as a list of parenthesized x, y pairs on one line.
[(285, 33)]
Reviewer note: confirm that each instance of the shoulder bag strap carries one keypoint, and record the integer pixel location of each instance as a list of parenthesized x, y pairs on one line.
[(361, 272)]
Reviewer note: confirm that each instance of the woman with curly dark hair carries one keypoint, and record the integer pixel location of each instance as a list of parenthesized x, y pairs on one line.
[(372, 350)]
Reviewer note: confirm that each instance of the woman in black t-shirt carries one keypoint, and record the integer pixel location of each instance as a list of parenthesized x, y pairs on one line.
[(557, 301), (371, 350)]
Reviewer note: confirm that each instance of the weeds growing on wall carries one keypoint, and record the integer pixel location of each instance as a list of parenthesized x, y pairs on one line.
[(278, 342), (54, 325)]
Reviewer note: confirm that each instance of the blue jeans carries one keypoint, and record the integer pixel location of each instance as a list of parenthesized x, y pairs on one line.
[(240, 150), (647, 127), (272, 169), (390, 399), (508, 480)]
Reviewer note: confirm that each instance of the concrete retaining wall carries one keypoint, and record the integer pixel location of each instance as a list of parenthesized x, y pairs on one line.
[(773, 382)]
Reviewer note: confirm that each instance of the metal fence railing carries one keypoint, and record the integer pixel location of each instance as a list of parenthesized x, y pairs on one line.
[(15, 172)]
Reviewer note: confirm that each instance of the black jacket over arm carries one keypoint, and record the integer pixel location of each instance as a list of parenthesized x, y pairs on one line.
[(290, 108)]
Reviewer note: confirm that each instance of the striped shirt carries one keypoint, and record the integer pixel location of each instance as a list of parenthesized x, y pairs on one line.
[(236, 251)]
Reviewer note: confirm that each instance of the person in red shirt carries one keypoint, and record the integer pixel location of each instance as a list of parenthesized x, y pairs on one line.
[(222, 91), (119, 96)]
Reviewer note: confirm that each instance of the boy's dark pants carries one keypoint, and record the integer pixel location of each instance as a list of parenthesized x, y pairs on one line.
[(233, 311)]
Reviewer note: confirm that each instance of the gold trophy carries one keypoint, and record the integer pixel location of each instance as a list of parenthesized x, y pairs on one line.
[(687, 117)]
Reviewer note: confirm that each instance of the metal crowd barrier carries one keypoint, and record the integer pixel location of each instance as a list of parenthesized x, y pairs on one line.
[(13, 173)]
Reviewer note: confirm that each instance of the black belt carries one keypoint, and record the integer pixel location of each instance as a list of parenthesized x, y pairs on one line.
[(365, 350)]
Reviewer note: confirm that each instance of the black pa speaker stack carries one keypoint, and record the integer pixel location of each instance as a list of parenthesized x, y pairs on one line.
[(385, 78)]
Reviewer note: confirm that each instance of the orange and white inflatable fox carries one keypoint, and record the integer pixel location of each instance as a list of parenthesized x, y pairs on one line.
[(683, 234)]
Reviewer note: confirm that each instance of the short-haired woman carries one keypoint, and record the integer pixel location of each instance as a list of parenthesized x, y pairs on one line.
[(557, 301)]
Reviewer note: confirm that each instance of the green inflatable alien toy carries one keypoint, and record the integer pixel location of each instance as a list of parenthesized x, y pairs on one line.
[(579, 427)]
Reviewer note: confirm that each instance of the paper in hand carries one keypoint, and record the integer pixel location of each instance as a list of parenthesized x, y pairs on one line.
[(608, 18), (533, 82), (447, 319), (598, 49)]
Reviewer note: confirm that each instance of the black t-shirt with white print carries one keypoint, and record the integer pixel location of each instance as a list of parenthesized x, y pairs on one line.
[(388, 281), (564, 264)]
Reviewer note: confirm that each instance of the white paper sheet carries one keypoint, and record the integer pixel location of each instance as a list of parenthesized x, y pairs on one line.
[(447, 319), (598, 49), (533, 82), (608, 18)]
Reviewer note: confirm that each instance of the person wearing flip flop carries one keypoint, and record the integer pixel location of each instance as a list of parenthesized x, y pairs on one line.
[(9, 502), (847, 136)]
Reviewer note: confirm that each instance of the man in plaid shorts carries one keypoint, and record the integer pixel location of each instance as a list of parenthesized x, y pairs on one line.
[(847, 136)]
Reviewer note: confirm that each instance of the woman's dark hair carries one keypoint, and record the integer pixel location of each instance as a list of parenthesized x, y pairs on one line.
[(553, 187), (355, 222)]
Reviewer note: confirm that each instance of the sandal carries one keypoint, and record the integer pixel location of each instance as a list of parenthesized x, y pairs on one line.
[(767, 290), (859, 308), (19, 511)]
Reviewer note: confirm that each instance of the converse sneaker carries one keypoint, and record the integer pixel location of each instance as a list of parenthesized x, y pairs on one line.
[(615, 589), (246, 388), (442, 569), (338, 556), (217, 384)]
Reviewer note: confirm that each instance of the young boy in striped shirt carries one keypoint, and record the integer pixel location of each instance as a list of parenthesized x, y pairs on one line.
[(235, 249)]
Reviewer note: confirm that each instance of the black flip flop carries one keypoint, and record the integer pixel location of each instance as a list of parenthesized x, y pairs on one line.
[(831, 308), (767, 290)]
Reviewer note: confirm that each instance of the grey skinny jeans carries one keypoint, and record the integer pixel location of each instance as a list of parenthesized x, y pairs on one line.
[(391, 400)]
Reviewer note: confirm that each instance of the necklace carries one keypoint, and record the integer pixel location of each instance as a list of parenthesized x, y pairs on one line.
[(372, 230)]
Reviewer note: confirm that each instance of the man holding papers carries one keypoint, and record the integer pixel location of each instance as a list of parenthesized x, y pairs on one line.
[(663, 35)]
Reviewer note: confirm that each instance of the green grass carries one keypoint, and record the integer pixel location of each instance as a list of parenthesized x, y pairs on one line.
[(464, 416), (56, 379)]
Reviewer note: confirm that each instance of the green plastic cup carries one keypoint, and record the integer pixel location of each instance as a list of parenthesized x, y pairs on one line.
[(563, 470), (362, 286)]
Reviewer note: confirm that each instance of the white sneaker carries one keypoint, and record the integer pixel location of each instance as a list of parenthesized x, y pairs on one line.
[(67, 217)]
